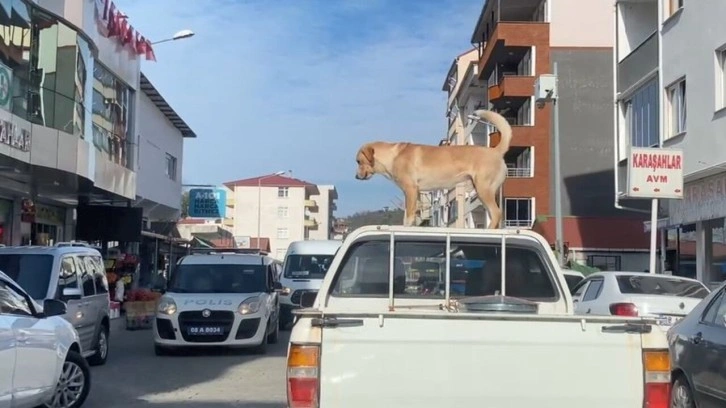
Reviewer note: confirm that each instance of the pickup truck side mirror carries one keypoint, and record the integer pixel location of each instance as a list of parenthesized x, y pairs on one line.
[(53, 307), (308, 299), (71, 294)]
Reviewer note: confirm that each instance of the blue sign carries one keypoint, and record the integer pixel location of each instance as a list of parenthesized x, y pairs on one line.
[(207, 203)]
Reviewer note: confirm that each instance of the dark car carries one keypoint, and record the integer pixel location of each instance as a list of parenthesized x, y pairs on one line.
[(698, 354)]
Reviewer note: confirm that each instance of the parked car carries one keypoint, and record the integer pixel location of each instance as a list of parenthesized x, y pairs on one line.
[(373, 338), (306, 264), (219, 299), (665, 297), (40, 353), (572, 277), (698, 354), (74, 274)]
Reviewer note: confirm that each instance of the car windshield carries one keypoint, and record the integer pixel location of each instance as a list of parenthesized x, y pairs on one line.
[(661, 285), (218, 278), (30, 271), (307, 266)]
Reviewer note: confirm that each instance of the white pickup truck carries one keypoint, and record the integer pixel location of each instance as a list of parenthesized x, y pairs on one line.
[(438, 317)]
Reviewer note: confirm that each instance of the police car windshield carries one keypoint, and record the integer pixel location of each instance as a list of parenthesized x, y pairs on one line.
[(216, 278)]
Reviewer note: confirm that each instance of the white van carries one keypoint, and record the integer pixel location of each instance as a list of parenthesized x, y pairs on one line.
[(306, 263)]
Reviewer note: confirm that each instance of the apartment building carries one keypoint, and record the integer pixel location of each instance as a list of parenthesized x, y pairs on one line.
[(280, 210), (670, 71), (516, 41)]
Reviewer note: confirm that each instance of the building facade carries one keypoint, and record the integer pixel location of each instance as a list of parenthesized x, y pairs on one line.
[(160, 137), (283, 209), (665, 98), (70, 78), (515, 42)]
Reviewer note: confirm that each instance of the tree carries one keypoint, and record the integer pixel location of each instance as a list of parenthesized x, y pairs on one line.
[(379, 217)]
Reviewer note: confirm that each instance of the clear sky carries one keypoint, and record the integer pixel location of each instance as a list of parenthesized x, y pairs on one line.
[(299, 85)]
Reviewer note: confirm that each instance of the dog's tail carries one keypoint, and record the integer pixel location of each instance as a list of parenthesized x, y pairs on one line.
[(502, 126)]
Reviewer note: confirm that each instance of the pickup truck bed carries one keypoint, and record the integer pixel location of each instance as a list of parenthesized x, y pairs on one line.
[(349, 351)]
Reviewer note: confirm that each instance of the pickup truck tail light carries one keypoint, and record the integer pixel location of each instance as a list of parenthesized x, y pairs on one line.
[(303, 376), (624, 309), (657, 365)]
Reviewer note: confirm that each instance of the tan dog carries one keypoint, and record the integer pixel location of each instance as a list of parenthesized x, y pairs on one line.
[(415, 167)]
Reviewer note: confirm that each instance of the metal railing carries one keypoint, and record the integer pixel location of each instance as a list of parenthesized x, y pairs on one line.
[(519, 172), (517, 223)]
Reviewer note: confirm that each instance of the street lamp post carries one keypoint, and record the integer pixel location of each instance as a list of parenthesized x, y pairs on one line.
[(546, 91), (180, 35), (259, 201)]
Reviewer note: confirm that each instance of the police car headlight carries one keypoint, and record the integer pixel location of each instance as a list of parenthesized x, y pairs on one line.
[(166, 306), (249, 306)]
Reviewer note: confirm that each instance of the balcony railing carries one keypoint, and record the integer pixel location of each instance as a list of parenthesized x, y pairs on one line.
[(518, 223), (311, 204), (519, 172)]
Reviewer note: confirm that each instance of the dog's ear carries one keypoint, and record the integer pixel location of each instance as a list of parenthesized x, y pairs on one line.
[(368, 154)]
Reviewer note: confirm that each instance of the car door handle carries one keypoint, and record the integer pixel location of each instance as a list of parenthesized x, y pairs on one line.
[(695, 339), (588, 310), (22, 338)]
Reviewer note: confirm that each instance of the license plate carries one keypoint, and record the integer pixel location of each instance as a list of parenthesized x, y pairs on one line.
[(669, 320), (205, 331)]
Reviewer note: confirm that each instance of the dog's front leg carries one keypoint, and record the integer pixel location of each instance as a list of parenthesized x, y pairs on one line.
[(411, 195)]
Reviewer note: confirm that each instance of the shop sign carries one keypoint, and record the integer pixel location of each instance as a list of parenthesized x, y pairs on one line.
[(655, 173), (112, 23), (14, 136), (6, 80), (49, 215), (207, 203), (704, 199)]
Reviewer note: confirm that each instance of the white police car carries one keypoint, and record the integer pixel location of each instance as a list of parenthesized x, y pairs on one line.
[(219, 299)]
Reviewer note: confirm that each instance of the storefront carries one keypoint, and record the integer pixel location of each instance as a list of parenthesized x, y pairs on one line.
[(696, 231), (42, 224), (6, 222)]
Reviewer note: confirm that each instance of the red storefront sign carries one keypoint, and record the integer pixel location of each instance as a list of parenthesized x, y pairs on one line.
[(112, 23)]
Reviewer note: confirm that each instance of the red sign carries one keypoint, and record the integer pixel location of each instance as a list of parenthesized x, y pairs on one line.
[(112, 23)]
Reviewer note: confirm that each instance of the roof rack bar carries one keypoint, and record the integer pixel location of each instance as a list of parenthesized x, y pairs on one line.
[(215, 251)]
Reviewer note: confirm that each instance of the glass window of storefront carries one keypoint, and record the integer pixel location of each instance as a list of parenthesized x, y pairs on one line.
[(112, 107), (46, 62)]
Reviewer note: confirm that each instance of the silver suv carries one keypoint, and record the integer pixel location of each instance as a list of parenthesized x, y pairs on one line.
[(73, 274)]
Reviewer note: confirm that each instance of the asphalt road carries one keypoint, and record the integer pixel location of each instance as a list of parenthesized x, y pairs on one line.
[(134, 377)]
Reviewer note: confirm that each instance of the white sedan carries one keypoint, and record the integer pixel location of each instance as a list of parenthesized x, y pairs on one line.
[(40, 359), (667, 298)]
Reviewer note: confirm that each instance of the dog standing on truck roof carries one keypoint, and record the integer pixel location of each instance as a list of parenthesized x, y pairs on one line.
[(415, 167)]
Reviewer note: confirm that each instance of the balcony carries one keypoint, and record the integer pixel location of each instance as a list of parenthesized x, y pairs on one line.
[(516, 109), (230, 201), (519, 162), (311, 204), (640, 63), (310, 222), (229, 222), (512, 76), (518, 212), (506, 38)]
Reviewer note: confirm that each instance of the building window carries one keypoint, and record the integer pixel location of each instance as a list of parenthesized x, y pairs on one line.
[(170, 166), (453, 211), (677, 108), (518, 212), (604, 262), (282, 212), (283, 192), (672, 6), (44, 66), (641, 116), (112, 113), (283, 233), (721, 75)]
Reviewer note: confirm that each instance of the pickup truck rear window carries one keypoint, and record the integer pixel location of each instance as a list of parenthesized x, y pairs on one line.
[(419, 271)]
